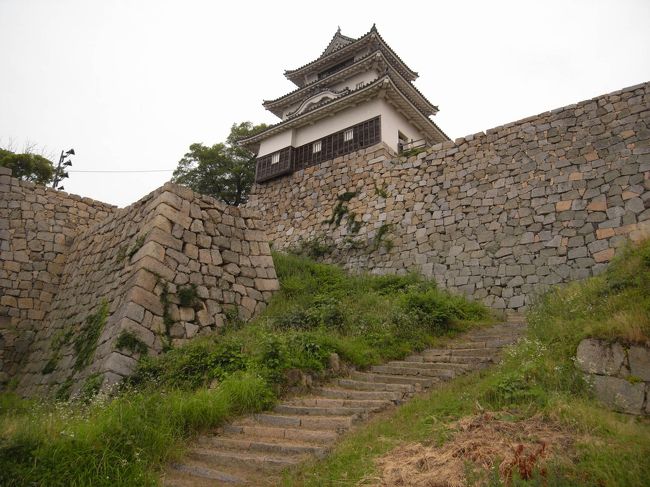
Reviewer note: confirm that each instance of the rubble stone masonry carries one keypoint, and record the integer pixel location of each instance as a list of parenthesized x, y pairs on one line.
[(498, 215), (87, 288)]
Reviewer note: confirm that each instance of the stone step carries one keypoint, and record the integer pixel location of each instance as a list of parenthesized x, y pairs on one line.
[(471, 361), (392, 379), (496, 334), (214, 457), (362, 385), (333, 423), (483, 344), (366, 404), (189, 474), (255, 430), (414, 371), (411, 363), (318, 410), (347, 394), (282, 447), (460, 352), (254, 450)]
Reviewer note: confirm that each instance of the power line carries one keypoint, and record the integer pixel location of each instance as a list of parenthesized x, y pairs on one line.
[(137, 170)]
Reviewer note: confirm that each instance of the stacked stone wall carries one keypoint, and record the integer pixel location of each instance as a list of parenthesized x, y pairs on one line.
[(498, 215), (170, 267), (37, 227)]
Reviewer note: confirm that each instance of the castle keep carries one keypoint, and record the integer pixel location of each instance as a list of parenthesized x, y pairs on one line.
[(358, 93)]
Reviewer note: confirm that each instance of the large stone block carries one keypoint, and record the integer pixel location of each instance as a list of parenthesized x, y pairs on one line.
[(639, 359), (619, 394), (600, 357), (120, 364)]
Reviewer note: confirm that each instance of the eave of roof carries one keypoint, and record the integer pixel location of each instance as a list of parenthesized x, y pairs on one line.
[(295, 75), (384, 82), (278, 106)]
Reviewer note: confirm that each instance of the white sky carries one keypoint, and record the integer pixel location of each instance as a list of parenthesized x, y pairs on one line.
[(131, 84)]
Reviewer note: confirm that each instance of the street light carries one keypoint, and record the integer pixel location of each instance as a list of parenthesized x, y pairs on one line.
[(59, 172)]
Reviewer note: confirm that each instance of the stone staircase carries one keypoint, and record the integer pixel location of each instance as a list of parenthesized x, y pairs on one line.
[(254, 450)]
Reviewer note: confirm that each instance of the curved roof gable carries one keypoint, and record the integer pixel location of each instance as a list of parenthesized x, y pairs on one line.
[(338, 41), (341, 46)]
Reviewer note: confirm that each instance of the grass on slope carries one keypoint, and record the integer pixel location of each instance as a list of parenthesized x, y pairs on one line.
[(319, 310), (536, 377)]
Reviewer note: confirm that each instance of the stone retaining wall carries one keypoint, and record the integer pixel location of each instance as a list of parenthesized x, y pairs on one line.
[(496, 215), (37, 227), (170, 267), (619, 374)]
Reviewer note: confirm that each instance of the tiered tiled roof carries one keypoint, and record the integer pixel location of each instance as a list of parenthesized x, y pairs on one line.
[(328, 57), (384, 84), (278, 105), (394, 80)]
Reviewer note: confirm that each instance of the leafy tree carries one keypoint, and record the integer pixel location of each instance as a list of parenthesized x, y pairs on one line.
[(29, 167), (224, 170)]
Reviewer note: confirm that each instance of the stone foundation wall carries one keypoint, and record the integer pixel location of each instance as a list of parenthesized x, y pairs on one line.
[(170, 267), (618, 373), (496, 215), (37, 227)]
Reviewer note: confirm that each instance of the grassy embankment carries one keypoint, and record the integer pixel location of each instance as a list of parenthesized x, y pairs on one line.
[(537, 379), (320, 310)]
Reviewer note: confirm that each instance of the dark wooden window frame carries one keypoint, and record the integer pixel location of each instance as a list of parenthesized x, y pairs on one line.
[(292, 159)]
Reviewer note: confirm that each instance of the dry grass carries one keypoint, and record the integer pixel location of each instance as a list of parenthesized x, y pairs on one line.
[(480, 445)]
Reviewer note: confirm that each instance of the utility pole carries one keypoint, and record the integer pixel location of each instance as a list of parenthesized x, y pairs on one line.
[(59, 172)]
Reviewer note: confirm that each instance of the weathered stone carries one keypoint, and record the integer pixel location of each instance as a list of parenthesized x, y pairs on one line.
[(600, 357), (267, 284), (619, 394), (120, 364), (639, 359)]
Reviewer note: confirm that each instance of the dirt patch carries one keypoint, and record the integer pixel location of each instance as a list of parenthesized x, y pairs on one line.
[(480, 448)]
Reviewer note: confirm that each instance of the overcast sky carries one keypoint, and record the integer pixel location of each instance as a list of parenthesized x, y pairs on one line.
[(131, 84)]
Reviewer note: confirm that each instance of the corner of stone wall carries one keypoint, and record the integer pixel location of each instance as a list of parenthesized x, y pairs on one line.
[(192, 244)]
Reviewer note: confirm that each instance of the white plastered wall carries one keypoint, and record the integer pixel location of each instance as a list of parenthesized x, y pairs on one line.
[(276, 142), (391, 123)]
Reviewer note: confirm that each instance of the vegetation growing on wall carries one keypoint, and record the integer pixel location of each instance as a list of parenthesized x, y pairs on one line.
[(341, 208), (313, 248), (168, 321), (127, 340), (86, 338), (381, 240), (382, 190), (60, 339), (187, 296), (129, 251)]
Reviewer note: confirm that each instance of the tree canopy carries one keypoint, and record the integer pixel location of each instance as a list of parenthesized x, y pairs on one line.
[(28, 167), (224, 170)]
